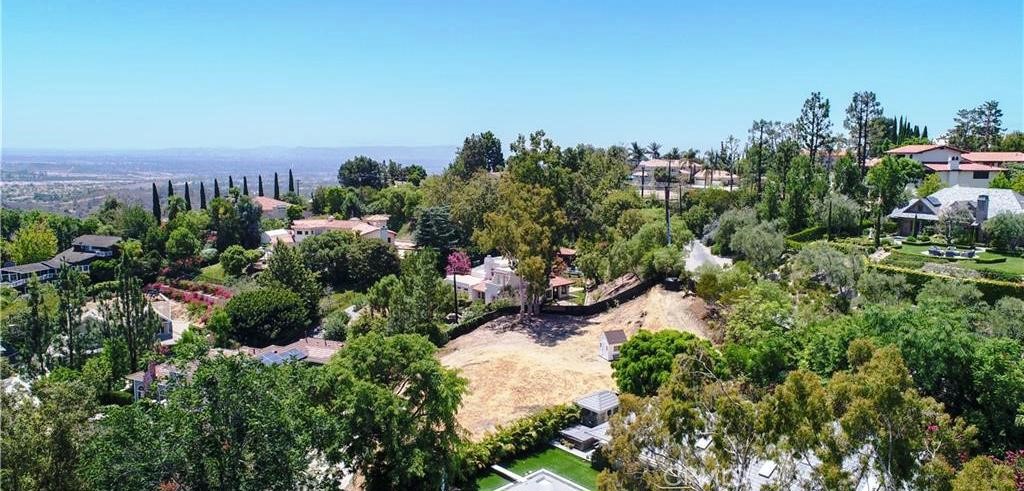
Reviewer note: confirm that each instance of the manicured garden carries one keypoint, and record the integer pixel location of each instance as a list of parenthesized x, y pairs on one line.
[(988, 260), (555, 460)]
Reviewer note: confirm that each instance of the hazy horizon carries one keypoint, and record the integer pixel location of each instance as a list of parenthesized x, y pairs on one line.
[(127, 76)]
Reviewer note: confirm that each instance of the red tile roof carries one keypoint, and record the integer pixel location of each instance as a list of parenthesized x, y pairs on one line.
[(358, 226), (269, 204), (915, 149), (557, 281), (964, 167), (996, 157)]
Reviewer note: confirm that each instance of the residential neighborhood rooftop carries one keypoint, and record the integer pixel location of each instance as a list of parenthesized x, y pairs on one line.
[(996, 157), (268, 204), (542, 480), (964, 167), (599, 402), (915, 149), (105, 241)]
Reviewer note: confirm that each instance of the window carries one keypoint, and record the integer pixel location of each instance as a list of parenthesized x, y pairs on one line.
[(981, 174)]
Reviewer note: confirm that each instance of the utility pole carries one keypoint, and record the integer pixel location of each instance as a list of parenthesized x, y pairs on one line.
[(668, 221), (642, 175)]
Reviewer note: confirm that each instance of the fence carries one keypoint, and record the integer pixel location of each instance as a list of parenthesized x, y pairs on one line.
[(470, 325)]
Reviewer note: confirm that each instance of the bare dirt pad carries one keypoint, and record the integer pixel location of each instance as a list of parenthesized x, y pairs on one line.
[(516, 367)]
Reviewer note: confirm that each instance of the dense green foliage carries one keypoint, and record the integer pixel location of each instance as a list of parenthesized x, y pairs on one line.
[(645, 360), (267, 315)]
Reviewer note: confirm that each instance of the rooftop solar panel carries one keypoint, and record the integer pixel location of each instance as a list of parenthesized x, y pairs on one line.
[(271, 359)]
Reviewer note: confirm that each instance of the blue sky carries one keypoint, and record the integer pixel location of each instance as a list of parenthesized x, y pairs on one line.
[(156, 74)]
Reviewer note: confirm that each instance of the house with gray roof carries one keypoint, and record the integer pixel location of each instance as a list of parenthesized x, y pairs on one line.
[(83, 251), (597, 407), (542, 480), (983, 203)]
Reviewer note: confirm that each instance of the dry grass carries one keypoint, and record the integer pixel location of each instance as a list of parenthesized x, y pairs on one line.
[(516, 367)]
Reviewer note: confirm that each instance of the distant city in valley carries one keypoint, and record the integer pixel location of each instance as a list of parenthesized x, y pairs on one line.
[(77, 181)]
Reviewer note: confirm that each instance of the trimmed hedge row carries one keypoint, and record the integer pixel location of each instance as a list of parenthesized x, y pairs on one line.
[(518, 437), (992, 290), (808, 234)]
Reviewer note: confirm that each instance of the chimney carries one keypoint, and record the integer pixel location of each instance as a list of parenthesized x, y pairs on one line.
[(981, 213), (954, 163)]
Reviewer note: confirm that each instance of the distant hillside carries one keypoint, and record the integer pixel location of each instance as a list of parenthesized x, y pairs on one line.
[(311, 160)]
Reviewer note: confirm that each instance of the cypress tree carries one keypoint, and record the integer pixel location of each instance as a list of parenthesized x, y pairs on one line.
[(924, 132), (188, 198), (291, 182), (231, 183), (170, 188), (245, 185), (216, 189), (259, 184), (202, 196), (156, 203), (277, 188)]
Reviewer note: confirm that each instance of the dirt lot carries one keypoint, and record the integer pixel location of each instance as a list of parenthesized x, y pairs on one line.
[(517, 367)]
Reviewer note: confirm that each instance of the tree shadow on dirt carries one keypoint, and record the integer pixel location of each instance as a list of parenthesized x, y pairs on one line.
[(546, 330)]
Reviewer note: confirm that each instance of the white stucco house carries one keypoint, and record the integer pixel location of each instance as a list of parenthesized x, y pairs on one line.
[(956, 172), (495, 278), (927, 154), (372, 227), (271, 237)]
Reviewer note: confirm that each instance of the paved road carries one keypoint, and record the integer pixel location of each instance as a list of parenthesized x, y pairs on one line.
[(700, 254)]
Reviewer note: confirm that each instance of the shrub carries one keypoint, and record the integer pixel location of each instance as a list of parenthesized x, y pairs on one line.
[(98, 289), (808, 234), (266, 315), (336, 325), (517, 438), (992, 290), (990, 259)]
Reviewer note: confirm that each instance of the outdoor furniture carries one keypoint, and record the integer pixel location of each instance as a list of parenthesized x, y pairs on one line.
[(951, 252), (969, 254), (933, 250)]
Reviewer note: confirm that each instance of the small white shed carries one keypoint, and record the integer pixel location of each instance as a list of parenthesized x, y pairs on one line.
[(611, 341)]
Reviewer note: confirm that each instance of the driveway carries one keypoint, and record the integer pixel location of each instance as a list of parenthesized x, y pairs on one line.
[(699, 255)]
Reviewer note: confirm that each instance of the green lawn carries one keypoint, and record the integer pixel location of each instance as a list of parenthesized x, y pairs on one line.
[(213, 273), (1013, 264), (491, 481), (558, 461)]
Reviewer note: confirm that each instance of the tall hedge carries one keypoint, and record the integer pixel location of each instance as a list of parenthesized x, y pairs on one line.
[(992, 290), (516, 438)]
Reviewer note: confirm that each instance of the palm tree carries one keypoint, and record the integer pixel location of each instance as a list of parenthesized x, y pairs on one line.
[(637, 154), (653, 150), (691, 156), (711, 163), (674, 154)]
